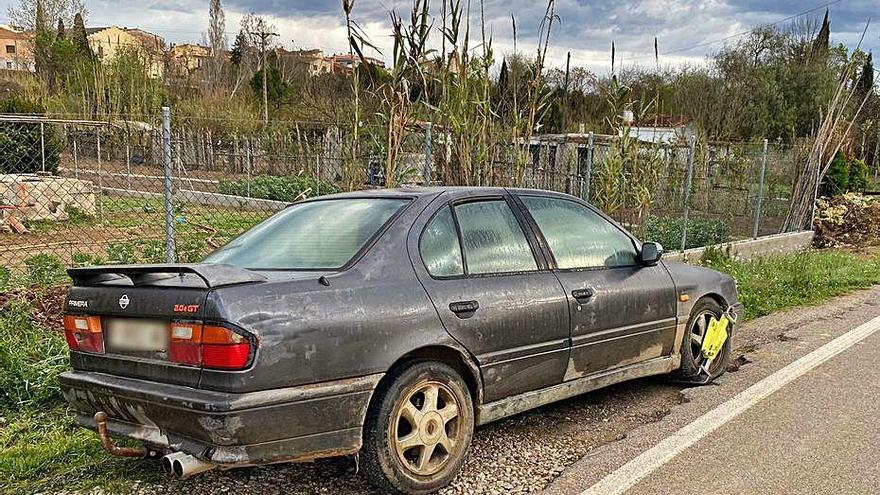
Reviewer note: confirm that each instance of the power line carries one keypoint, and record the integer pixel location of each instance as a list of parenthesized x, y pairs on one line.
[(742, 33)]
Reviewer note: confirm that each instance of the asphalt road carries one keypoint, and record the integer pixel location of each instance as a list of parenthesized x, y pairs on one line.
[(817, 434)]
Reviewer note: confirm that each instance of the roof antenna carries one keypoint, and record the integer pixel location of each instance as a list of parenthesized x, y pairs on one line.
[(323, 281)]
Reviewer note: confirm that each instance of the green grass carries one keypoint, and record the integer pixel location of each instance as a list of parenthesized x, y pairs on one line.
[(776, 283), (42, 450), (40, 447)]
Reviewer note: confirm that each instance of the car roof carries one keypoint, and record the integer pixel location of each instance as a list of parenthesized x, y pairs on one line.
[(418, 191)]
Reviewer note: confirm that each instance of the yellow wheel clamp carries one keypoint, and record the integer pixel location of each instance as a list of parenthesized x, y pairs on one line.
[(716, 336)]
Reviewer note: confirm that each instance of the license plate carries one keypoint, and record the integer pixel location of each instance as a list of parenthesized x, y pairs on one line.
[(135, 334)]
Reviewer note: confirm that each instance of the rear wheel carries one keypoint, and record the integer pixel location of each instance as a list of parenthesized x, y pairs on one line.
[(692, 359), (419, 428)]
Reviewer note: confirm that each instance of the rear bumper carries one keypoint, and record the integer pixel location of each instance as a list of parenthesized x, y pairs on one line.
[(289, 424)]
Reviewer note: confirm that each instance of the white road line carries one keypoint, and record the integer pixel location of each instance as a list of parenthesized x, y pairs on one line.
[(625, 477)]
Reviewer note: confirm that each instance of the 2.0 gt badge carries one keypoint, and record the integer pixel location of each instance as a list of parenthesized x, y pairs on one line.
[(186, 308)]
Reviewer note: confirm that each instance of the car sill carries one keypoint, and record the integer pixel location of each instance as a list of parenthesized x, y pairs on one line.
[(516, 404)]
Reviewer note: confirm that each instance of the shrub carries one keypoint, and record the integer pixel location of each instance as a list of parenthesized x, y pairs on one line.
[(288, 189), (45, 269), (837, 179), (76, 216), (20, 143), (5, 277), (86, 259), (121, 253), (858, 176), (700, 232)]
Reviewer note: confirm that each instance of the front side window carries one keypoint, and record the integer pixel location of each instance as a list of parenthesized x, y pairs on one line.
[(577, 236), (324, 234), (439, 246), (493, 239)]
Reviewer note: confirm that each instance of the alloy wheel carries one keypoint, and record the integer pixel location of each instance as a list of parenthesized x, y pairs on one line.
[(425, 431)]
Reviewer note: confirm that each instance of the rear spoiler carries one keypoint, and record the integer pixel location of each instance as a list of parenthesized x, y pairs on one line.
[(213, 275)]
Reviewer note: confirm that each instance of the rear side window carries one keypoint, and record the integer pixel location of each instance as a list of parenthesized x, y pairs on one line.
[(577, 236), (439, 246), (323, 234), (493, 239)]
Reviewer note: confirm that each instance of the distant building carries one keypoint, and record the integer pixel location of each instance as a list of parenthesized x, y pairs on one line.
[(345, 63), (662, 129), (106, 41), (15, 49), (313, 60), (189, 58)]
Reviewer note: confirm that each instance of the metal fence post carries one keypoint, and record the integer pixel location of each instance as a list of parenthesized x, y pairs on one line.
[(426, 170), (247, 154), (170, 248), (687, 191), (100, 172), (75, 159), (43, 145), (588, 173), (127, 160), (317, 175), (760, 192)]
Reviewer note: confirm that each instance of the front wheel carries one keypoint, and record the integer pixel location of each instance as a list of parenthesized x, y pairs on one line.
[(418, 429), (692, 360)]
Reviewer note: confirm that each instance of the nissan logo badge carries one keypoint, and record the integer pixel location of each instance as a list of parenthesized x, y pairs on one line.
[(123, 301)]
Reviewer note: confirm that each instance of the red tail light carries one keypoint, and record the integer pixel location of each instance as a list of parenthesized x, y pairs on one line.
[(209, 346), (84, 333)]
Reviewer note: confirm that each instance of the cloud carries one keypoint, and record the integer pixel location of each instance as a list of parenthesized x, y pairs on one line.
[(687, 30)]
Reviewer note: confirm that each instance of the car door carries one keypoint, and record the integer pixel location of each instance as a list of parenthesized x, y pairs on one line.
[(621, 312), (483, 271)]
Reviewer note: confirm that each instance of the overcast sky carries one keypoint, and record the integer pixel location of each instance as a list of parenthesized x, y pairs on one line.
[(687, 30)]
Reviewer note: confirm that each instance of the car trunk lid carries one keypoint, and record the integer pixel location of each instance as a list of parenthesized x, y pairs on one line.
[(136, 305)]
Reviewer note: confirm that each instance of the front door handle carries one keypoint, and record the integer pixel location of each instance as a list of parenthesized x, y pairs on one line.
[(464, 309), (582, 295)]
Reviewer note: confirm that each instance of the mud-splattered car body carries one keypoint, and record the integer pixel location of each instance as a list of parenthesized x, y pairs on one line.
[(320, 341)]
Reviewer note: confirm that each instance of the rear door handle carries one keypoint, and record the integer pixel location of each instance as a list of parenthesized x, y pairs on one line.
[(582, 295), (464, 309)]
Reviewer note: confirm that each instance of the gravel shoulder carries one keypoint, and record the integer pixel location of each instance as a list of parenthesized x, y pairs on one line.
[(565, 447)]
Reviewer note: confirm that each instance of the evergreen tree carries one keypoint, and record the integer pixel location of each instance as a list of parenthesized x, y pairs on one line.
[(61, 33), (40, 18), (42, 42), (239, 47), (79, 37), (866, 80), (823, 40)]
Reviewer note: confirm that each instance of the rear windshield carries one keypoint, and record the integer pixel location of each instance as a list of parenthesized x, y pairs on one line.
[(313, 235)]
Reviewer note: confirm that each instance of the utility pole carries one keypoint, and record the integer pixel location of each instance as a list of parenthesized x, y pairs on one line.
[(264, 38)]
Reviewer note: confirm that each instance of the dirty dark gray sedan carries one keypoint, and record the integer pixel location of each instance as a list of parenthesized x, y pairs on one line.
[(387, 323)]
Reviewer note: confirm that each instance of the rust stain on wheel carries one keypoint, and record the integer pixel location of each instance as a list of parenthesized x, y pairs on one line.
[(426, 428)]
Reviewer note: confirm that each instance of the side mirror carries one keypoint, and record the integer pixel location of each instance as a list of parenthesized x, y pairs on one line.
[(651, 253)]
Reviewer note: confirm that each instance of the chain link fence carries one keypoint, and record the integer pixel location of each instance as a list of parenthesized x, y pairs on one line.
[(84, 192)]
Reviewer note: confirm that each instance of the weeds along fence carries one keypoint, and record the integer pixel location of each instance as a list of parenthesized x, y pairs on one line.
[(76, 192)]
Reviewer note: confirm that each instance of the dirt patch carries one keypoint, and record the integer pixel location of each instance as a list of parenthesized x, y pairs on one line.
[(849, 220), (47, 304)]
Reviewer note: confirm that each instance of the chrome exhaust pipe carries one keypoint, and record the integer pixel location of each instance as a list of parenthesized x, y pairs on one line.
[(168, 462), (183, 465)]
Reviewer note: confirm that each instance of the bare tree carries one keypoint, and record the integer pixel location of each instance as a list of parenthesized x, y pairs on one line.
[(217, 42), (24, 14)]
